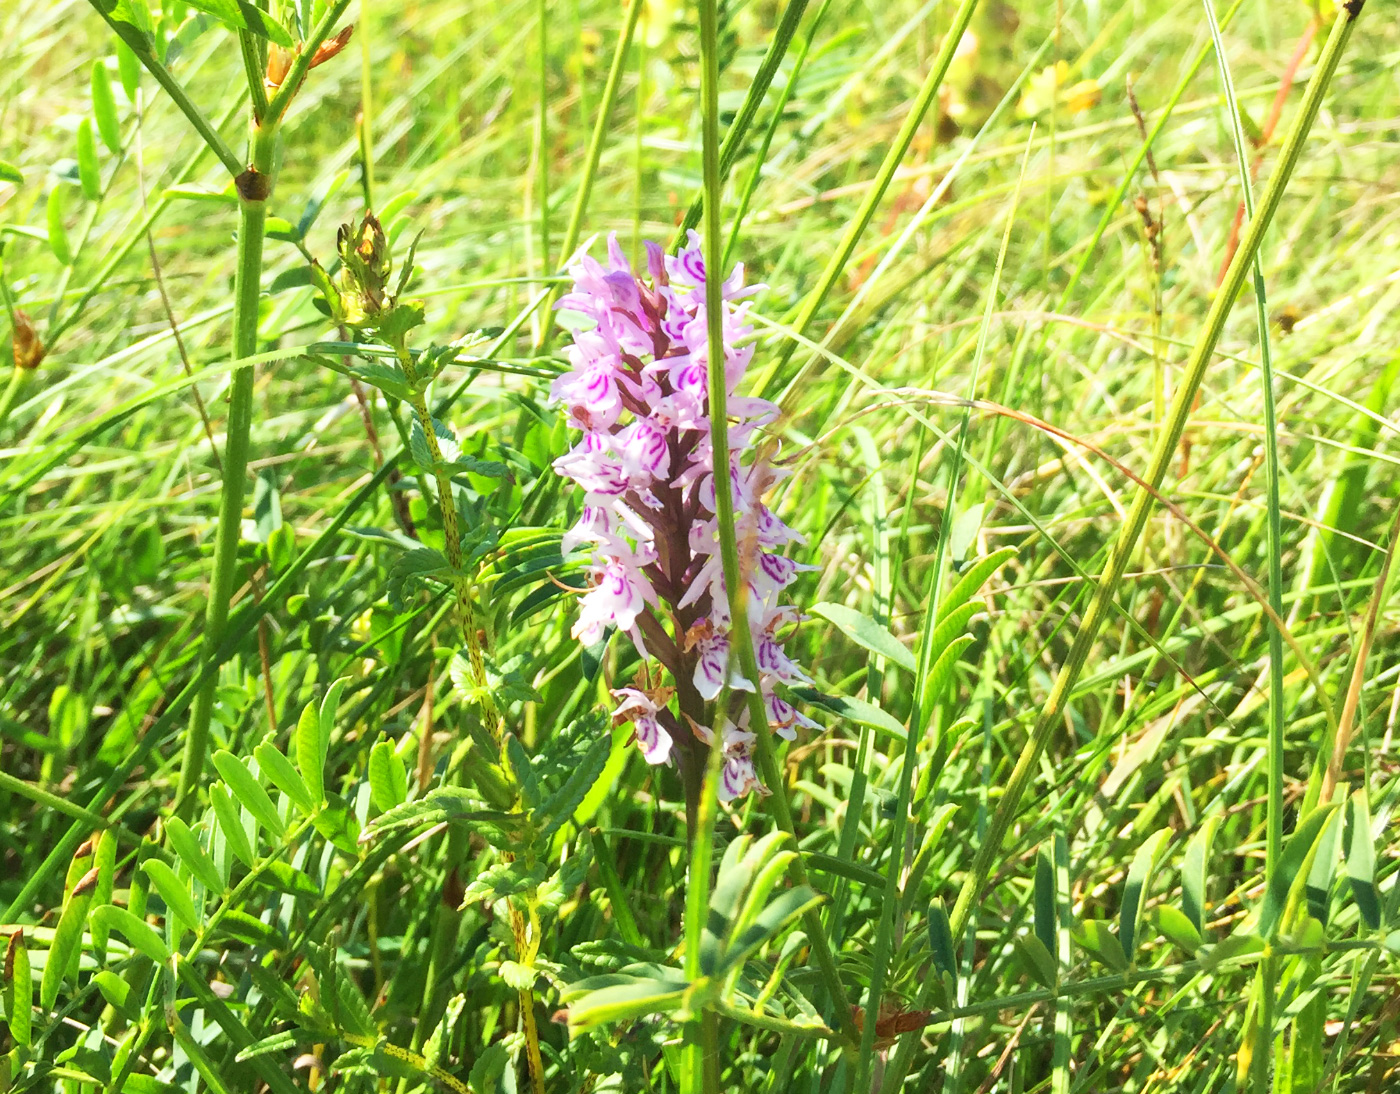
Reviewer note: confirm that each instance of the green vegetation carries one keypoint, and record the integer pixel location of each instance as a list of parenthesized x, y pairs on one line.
[(1081, 321)]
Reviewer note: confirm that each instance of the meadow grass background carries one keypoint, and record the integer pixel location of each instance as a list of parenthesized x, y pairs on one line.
[(106, 523)]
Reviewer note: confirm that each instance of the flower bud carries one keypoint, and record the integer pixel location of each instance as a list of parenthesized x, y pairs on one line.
[(364, 252), (329, 48), (279, 63), (28, 349)]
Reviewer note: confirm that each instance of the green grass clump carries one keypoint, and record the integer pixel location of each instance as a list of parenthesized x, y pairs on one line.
[(303, 780)]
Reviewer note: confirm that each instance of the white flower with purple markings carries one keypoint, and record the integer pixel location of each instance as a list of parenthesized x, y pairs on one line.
[(638, 392)]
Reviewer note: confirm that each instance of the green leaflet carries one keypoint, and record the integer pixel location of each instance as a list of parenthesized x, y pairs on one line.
[(865, 632), (1290, 875), (174, 892), (241, 15), (1140, 873), (249, 792), (104, 108), (231, 824), (89, 175), (1096, 936), (1361, 860), (1194, 872), (282, 775), (136, 931), (388, 781), (18, 989), (196, 860)]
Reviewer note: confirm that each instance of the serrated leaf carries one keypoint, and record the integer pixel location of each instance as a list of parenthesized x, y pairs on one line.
[(452, 805), (501, 880), (1361, 860), (1178, 928), (418, 448), (231, 824), (104, 108), (414, 566), (1135, 888), (518, 976), (1097, 937), (524, 772), (1039, 961), (241, 15), (436, 1044), (388, 781), (865, 632), (1194, 872), (89, 174), (351, 1008), (136, 931), (559, 807), (1297, 852), (184, 843), (249, 792), (174, 892), (275, 990), (283, 775), (278, 1042)]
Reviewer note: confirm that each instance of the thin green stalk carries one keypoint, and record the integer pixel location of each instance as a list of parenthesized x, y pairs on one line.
[(52, 801), (12, 390), (920, 714), (704, 1049), (753, 98), (134, 234), (700, 1049), (140, 44), (595, 151), (1274, 531), (761, 154), (1113, 208), (1131, 529), (1274, 547), (241, 627), (542, 138), (247, 284), (366, 133), (253, 70), (893, 157), (724, 500), (254, 186)]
